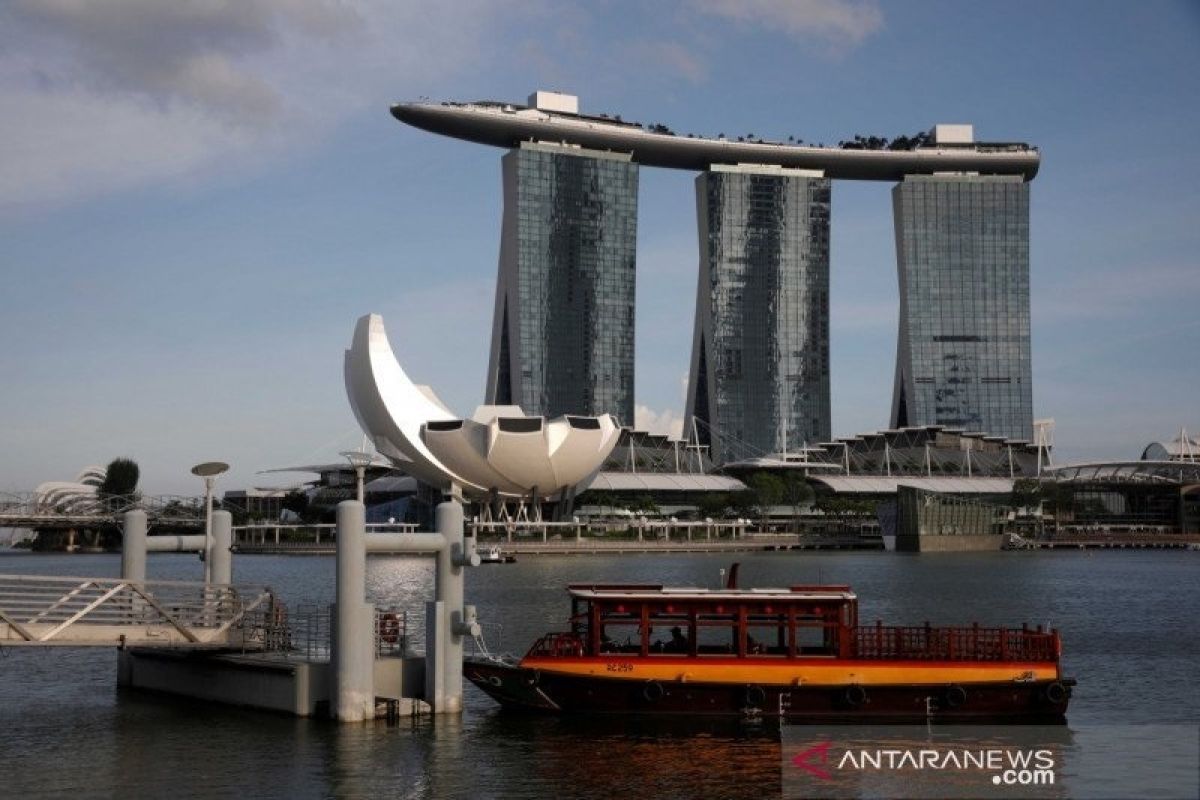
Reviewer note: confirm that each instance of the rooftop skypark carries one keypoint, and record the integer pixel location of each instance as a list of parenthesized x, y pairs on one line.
[(552, 117)]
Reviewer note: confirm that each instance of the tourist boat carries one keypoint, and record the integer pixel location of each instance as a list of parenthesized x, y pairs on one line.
[(798, 653)]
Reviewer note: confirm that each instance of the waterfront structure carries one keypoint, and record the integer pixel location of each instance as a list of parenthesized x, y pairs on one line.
[(759, 376), (962, 233), (963, 351), (562, 333)]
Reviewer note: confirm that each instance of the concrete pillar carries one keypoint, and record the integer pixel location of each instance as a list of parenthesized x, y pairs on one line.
[(448, 519), (353, 656), (221, 555), (436, 637), (133, 546)]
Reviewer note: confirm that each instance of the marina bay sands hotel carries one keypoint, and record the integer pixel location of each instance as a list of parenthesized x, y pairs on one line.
[(563, 331)]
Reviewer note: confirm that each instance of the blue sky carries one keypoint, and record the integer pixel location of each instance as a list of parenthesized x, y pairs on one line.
[(197, 200)]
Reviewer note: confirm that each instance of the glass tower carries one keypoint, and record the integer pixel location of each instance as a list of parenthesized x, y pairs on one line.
[(962, 251), (759, 378), (562, 335)]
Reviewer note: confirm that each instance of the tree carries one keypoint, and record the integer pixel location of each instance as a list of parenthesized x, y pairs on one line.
[(767, 490), (120, 479), (797, 493), (296, 501), (713, 504)]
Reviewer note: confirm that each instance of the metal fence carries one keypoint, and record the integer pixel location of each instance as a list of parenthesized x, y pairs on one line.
[(42, 610)]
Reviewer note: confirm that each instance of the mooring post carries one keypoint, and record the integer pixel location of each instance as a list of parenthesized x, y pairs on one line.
[(353, 657), (133, 546), (448, 591), (221, 554)]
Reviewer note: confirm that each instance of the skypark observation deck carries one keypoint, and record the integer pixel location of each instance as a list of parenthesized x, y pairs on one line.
[(507, 125)]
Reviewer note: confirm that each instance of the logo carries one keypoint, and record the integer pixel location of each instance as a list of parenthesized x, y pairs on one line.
[(818, 752)]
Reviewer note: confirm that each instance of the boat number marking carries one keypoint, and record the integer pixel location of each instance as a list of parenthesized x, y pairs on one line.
[(619, 666)]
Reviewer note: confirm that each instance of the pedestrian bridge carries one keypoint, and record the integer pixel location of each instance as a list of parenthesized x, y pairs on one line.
[(45, 611)]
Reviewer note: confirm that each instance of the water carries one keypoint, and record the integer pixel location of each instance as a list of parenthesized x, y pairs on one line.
[(1128, 620)]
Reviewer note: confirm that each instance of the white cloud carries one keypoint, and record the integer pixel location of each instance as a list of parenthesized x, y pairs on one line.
[(668, 422), (837, 23), (101, 97)]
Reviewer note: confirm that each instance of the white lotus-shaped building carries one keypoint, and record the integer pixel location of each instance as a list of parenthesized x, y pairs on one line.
[(498, 450)]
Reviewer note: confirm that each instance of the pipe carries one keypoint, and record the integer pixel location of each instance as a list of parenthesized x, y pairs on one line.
[(175, 544)]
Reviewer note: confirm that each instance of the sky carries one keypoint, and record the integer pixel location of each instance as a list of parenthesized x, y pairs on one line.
[(198, 200)]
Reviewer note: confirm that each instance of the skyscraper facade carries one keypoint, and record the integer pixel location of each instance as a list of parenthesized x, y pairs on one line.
[(563, 331), (963, 360), (759, 377)]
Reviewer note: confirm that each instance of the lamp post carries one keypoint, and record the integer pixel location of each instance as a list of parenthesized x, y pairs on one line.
[(360, 461), (209, 471)]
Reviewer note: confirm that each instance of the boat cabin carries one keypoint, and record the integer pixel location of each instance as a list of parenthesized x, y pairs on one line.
[(647, 621), (652, 620)]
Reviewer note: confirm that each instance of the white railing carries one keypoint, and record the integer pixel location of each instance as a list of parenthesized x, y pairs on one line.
[(66, 611)]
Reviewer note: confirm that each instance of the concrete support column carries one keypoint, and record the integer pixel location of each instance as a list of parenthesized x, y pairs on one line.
[(133, 546), (221, 554), (353, 657), (448, 593)]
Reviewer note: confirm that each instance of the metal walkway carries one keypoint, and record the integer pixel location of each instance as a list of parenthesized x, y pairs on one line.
[(44, 611)]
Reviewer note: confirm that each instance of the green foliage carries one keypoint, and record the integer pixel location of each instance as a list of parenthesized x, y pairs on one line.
[(296, 501), (768, 489), (713, 504), (797, 493), (120, 479)]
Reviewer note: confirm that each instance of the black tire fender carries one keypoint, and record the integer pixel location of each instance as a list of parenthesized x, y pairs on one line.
[(653, 691), (854, 695), (755, 696), (955, 695), (1056, 693)]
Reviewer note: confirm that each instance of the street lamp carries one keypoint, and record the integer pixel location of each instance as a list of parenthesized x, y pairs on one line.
[(209, 471), (360, 461)]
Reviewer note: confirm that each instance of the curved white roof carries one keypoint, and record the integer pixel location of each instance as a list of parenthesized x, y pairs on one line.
[(498, 450)]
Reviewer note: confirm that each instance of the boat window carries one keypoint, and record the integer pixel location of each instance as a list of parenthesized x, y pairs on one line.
[(620, 637), (716, 634), (669, 635), (767, 635), (816, 636)]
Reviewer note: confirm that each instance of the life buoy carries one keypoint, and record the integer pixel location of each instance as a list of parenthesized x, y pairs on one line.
[(532, 678), (1055, 693), (755, 696), (389, 628), (955, 695), (653, 691), (855, 695)]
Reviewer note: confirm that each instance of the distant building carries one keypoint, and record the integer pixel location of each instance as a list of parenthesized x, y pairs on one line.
[(963, 357), (1185, 448), (562, 335), (759, 378)]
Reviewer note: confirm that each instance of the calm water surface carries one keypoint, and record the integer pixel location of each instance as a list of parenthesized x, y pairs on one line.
[(1128, 620)]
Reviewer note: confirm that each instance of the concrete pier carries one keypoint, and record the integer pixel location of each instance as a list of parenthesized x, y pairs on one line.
[(351, 684)]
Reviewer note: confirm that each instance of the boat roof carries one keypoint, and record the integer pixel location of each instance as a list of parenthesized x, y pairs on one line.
[(655, 592)]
